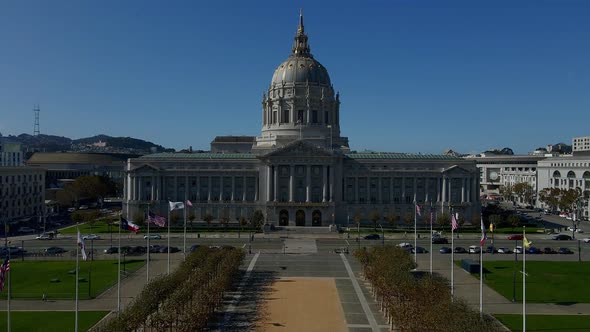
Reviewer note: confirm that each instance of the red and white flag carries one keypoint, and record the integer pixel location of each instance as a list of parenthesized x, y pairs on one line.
[(418, 210), (482, 241), (454, 223), (431, 216), (188, 203)]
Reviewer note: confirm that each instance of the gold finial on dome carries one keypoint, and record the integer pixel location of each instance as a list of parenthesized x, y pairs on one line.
[(300, 47)]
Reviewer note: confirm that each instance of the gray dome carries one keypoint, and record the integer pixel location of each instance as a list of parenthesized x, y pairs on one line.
[(301, 69)]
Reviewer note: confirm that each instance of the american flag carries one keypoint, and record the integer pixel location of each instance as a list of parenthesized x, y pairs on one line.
[(156, 219), (4, 268), (189, 203), (482, 241), (431, 216), (418, 210), (454, 223)]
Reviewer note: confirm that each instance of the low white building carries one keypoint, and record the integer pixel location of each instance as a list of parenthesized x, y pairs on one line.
[(580, 144), (567, 172), (11, 153)]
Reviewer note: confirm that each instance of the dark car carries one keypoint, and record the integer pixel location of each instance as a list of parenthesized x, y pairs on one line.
[(55, 250), (13, 251), (565, 251), (533, 251), (372, 237), (439, 240), (460, 250), (562, 237), (445, 250), (174, 249), (549, 251), (515, 237), (419, 250), (491, 250), (111, 250), (194, 247), (155, 248)]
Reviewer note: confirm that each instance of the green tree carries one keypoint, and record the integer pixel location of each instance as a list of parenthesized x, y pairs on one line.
[(495, 219), (392, 219), (208, 219), (257, 219), (513, 220), (243, 222), (77, 217), (375, 217), (191, 217), (524, 191), (569, 198), (443, 220), (507, 192), (408, 219), (550, 197)]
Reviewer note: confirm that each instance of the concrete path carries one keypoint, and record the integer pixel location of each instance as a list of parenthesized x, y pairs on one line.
[(300, 246)]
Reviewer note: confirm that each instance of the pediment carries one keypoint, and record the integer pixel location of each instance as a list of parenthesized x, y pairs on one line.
[(455, 170), (145, 168), (299, 149)]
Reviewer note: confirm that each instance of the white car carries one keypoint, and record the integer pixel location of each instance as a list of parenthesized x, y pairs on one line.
[(518, 250), (587, 240), (474, 249), (152, 237), (504, 250), (91, 237), (43, 237)]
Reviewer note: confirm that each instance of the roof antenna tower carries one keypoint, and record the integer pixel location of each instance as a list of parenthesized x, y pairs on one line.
[(36, 126)]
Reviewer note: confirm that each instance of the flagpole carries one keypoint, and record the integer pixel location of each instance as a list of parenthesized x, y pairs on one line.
[(431, 221), (481, 270), (148, 245), (524, 280), (184, 241), (415, 232), (8, 295), (77, 268), (119, 269), (169, 240), (452, 257)]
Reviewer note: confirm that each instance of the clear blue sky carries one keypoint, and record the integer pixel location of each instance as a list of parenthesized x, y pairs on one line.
[(414, 76)]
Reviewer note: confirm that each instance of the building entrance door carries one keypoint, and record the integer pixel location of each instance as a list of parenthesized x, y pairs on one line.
[(300, 218), (284, 218), (316, 218)]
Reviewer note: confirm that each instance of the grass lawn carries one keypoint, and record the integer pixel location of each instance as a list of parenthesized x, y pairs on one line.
[(545, 323), (50, 321), (549, 282), (33, 279)]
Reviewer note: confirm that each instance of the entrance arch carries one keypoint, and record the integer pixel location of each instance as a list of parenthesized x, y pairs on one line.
[(300, 218), (316, 218), (284, 218)]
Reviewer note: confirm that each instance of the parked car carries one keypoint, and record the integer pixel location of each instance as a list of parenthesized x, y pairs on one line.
[(83, 207), (504, 250), (13, 250), (44, 236), (587, 240), (563, 214), (419, 250), (91, 237), (405, 245), (155, 248), (561, 237), (491, 250), (72, 209), (445, 250), (152, 237), (515, 237), (474, 249), (460, 250), (564, 251), (111, 250), (440, 240), (55, 250), (25, 230), (372, 237), (534, 251), (194, 247), (518, 250), (549, 251)]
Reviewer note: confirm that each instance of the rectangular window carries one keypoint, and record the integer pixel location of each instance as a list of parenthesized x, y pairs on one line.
[(300, 116), (326, 117), (285, 118), (274, 117), (314, 116)]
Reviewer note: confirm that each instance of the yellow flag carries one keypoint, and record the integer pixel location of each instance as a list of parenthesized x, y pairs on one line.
[(491, 227), (526, 242)]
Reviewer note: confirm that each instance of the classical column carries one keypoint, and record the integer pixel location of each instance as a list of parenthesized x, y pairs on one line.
[(331, 170), (140, 188), (198, 188), (233, 187), (462, 190), (220, 188), (391, 190), (403, 190), (132, 187), (468, 188), (444, 190), (256, 179), (324, 182), (450, 196), (356, 189), (244, 188), (269, 183), (379, 190), (426, 196), (308, 183), (186, 191), (209, 183), (438, 190), (291, 183), (276, 183), (474, 191)]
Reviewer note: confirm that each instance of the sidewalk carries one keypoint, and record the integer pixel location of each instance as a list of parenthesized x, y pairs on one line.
[(107, 301), (467, 287)]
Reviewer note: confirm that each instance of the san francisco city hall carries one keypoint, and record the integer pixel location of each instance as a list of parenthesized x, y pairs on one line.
[(300, 170)]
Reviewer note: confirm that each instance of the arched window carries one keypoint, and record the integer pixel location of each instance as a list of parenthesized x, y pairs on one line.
[(571, 174), (556, 174), (586, 175)]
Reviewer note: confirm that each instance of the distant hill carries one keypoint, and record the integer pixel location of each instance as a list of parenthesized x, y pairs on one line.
[(51, 143)]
